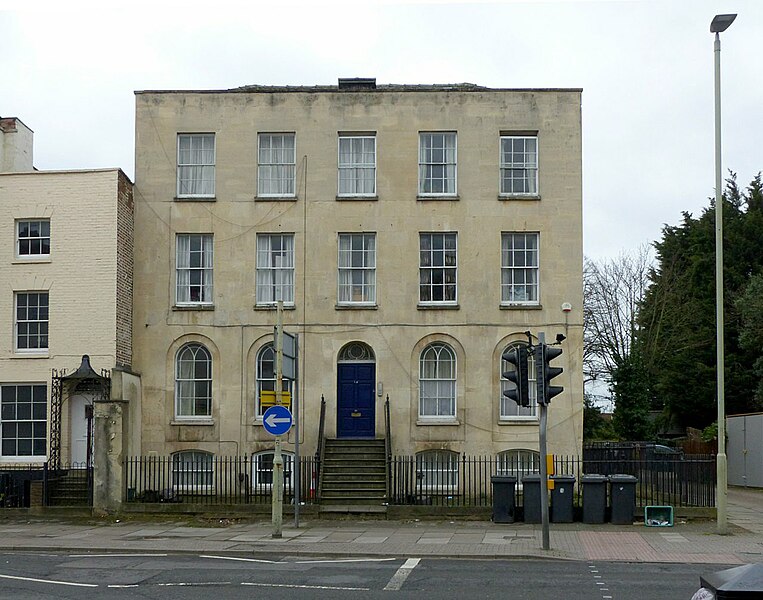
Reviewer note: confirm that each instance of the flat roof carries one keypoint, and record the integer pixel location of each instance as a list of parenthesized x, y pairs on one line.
[(389, 87), (66, 171)]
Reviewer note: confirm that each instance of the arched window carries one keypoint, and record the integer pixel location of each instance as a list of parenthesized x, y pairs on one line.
[(437, 382), (262, 471), (518, 463), (437, 470), (193, 382), (192, 470), (510, 410), (266, 378), (356, 352)]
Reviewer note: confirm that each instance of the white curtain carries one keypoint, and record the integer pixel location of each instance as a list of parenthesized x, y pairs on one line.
[(357, 268), (196, 165), (276, 165), (207, 268), (275, 268), (186, 282), (357, 165), (183, 258)]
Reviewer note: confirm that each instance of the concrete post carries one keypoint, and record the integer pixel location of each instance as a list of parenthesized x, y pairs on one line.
[(110, 442)]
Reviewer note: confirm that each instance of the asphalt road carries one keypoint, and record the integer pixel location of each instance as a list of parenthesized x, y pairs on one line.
[(38, 576)]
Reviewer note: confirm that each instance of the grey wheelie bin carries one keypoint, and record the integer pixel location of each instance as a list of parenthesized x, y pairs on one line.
[(531, 497), (594, 498), (503, 498), (561, 498), (623, 498)]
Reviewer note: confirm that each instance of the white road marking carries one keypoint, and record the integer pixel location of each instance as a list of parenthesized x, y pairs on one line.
[(306, 587), (51, 581), (111, 555), (199, 583), (593, 570), (398, 579), (255, 560), (342, 560), (131, 585), (298, 562)]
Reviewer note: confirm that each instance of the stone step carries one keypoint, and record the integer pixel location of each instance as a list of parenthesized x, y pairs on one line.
[(350, 476), (353, 509), (355, 499), (354, 484), (354, 472)]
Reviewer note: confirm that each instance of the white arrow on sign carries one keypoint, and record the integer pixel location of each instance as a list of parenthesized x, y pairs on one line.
[(272, 420)]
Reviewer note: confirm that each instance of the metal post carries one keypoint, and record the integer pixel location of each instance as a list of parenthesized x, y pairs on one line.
[(722, 469), (543, 449), (277, 494), (295, 407)]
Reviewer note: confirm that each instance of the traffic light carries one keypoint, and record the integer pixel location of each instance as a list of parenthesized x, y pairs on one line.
[(544, 372), (517, 356)]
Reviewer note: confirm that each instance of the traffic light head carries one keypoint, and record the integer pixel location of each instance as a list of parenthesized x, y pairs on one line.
[(520, 393), (545, 372)]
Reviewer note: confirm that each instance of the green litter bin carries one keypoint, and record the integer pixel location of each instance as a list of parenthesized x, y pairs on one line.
[(658, 516)]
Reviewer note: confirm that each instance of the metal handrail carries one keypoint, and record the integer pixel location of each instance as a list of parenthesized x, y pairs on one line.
[(388, 446), (321, 446)]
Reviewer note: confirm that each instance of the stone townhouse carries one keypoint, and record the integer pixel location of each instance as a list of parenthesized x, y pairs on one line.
[(413, 233), (66, 279)]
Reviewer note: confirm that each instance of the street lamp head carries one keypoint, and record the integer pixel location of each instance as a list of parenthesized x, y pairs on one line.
[(721, 23)]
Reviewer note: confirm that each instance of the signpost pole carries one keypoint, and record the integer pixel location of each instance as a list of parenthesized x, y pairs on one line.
[(543, 408), (295, 408), (277, 495)]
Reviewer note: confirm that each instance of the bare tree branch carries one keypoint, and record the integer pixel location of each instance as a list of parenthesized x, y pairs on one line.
[(612, 292)]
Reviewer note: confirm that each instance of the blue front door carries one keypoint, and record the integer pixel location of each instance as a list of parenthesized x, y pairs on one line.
[(356, 404)]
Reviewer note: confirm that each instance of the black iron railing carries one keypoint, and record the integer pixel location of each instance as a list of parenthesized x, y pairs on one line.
[(452, 480), (214, 479), (388, 445), (321, 446)]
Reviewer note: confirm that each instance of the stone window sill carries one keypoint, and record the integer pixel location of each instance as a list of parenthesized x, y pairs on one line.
[(193, 423), (18, 354), (448, 197), (26, 260), (438, 422), (276, 198), (356, 307), (274, 307), (186, 307), (503, 197), (509, 421), (357, 198), (521, 307), (438, 307)]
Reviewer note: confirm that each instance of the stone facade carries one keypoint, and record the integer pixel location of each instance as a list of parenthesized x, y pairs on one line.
[(232, 321), (77, 279)]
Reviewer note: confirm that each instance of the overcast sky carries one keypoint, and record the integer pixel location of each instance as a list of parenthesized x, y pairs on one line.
[(646, 69)]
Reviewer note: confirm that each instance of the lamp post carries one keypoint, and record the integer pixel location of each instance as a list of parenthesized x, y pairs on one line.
[(720, 23)]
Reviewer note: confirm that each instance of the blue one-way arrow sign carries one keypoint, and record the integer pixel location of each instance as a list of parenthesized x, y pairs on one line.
[(277, 420)]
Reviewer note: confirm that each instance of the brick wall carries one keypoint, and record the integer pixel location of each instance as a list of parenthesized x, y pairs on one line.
[(124, 280), (79, 274)]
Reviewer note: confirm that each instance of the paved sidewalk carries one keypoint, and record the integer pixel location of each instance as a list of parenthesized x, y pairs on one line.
[(694, 542), (684, 543), (745, 508)]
